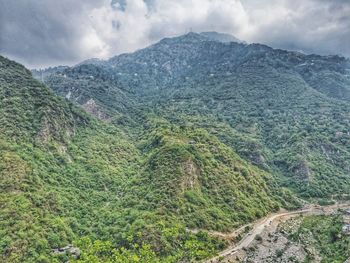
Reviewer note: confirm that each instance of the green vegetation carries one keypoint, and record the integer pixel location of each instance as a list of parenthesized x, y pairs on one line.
[(324, 233), (192, 248), (178, 138), (69, 178), (285, 112)]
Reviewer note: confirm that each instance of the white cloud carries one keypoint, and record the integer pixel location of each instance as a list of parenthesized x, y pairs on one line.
[(67, 31), (139, 24)]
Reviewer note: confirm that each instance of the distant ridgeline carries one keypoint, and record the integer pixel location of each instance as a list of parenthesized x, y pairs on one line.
[(200, 131)]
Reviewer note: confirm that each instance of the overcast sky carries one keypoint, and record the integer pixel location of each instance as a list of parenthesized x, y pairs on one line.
[(41, 33)]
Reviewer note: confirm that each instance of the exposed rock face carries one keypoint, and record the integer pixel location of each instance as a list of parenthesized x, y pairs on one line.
[(69, 249), (281, 250), (192, 173), (277, 247), (302, 170), (55, 127), (91, 107)]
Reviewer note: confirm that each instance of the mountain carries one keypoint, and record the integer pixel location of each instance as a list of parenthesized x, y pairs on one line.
[(136, 158), (283, 111), (73, 185)]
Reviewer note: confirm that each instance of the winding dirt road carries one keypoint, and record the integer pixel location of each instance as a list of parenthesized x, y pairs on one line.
[(260, 225)]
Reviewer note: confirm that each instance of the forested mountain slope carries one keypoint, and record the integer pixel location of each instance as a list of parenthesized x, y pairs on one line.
[(284, 111), (55, 164), (121, 189)]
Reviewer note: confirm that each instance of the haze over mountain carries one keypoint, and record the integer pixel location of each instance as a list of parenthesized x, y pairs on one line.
[(127, 158)]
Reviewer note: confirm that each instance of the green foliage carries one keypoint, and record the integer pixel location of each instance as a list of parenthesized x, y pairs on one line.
[(191, 174), (187, 139), (191, 249), (57, 188), (283, 111), (104, 252), (326, 237)]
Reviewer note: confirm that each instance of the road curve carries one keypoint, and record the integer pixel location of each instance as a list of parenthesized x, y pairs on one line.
[(260, 225)]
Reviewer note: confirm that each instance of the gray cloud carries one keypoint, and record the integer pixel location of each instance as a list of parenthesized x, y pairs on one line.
[(317, 26), (40, 33)]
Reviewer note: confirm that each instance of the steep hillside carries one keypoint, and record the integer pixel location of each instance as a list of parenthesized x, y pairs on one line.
[(98, 90), (56, 163), (117, 192), (284, 111), (29, 109), (195, 176)]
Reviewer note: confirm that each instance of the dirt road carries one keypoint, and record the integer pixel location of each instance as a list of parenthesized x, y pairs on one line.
[(259, 226)]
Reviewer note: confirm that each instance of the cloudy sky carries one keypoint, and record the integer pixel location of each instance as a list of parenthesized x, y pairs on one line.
[(41, 33)]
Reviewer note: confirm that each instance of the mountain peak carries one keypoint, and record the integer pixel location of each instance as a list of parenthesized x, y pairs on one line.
[(220, 37), (204, 36)]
